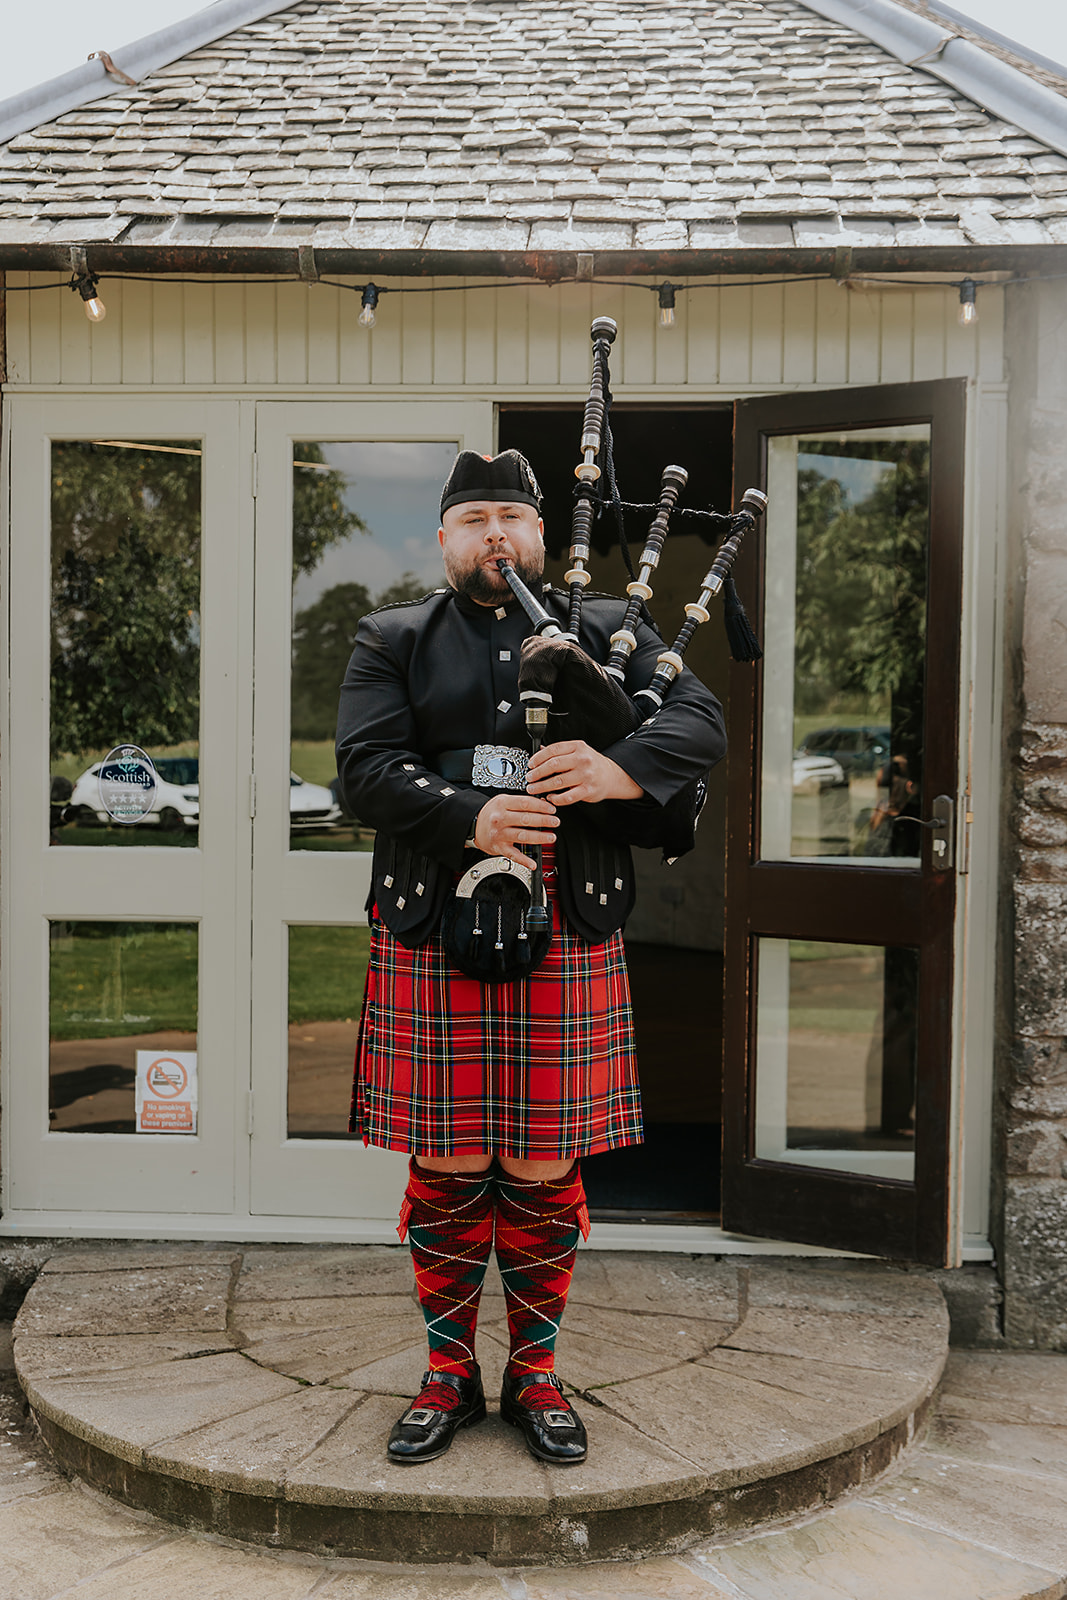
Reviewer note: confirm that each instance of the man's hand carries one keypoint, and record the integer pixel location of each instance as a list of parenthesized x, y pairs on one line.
[(572, 771), (509, 820)]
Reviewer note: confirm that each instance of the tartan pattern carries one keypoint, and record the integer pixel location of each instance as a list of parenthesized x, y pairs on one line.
[(543, 1068), (448, 1218), (537, 1227)]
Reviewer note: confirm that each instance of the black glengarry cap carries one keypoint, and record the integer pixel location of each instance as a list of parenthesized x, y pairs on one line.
[(507, 476)]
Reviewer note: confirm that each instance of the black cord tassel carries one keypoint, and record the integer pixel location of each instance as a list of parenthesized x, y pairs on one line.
[(744, 646)]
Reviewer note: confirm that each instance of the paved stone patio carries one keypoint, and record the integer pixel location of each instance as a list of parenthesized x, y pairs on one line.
[(977, 1512), (249, 1392)]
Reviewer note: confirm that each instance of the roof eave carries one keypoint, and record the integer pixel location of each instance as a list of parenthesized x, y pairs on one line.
[(540, 265)]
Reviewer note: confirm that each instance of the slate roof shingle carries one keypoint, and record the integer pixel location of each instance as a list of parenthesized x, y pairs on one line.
[(535, 125)]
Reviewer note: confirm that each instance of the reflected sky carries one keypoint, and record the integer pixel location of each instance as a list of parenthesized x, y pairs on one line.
[(396, 489), (858, 478)]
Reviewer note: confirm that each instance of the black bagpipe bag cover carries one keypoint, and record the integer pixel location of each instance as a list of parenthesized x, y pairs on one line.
[(599, 711)]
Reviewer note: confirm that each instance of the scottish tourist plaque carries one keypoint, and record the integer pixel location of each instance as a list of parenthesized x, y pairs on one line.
[(127, 784)]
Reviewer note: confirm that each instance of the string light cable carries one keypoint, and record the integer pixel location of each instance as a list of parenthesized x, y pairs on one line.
[(86, 283)]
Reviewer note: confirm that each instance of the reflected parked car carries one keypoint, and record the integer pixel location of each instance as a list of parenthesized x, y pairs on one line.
[(310, 805), (176, 804), (862, 747), (813, 774), (177, 798)]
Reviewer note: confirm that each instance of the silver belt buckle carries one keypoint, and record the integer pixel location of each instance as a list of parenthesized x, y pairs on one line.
[(499, 766)]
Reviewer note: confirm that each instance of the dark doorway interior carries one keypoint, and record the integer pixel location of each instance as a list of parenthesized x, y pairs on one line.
[(674, 938)]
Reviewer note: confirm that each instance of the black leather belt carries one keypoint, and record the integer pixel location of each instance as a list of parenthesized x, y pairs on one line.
[(455, 765), (486, 766)]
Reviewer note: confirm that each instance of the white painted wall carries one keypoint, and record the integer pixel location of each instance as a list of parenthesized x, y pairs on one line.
[(500, 341)]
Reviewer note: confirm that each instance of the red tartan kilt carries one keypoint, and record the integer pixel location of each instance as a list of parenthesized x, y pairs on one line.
[(542, 1069)]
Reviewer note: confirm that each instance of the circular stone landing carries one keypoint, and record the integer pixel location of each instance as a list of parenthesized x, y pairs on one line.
[(249, 1393)]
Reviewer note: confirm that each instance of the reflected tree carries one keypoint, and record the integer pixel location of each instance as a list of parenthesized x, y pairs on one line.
[(125, 595), (126, 585), (861, 587), (323, 635), (320, 516)]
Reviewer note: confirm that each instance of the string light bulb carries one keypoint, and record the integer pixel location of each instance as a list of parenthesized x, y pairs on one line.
[(666, 305), (368, 301), (968, 312), (86, 285)]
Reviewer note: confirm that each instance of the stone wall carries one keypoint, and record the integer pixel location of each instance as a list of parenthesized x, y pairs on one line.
[(1032, 1075)]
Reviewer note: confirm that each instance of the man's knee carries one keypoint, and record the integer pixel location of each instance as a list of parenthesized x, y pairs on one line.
[(466, 1163), (535, 1171)]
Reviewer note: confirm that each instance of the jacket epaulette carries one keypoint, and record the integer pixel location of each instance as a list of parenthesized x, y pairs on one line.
[(398, 605)]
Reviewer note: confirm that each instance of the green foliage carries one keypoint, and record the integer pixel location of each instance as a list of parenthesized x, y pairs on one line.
[(861, 586), (125, 595), (126, 585), (320, 517), (322, 643)]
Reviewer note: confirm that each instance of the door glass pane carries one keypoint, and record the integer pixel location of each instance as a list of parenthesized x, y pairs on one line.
[(674, 934), (125, 635), (845, 639), (365, 518), (120, 992), (327, 968), (835, 1055)]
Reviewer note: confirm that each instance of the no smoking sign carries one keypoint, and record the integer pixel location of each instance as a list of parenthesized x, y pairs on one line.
[(166, 1091)]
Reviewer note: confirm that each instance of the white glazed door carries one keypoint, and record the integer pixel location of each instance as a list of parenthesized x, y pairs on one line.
[(346, 518), (128, 614)]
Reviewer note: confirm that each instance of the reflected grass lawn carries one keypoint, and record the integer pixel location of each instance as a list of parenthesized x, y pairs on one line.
[(112, 979), (327, 966), (314, 760), (116, 836)]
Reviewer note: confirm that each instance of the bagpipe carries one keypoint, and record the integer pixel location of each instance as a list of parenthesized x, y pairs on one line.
[(561, 686)]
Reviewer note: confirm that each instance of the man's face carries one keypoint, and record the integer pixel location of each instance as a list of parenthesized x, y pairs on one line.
[(475, 535)]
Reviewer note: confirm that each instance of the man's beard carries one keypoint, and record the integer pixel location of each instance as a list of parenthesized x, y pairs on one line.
[(489, 585)]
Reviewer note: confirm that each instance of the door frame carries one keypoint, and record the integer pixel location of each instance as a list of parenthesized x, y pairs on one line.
[(875, 1215)]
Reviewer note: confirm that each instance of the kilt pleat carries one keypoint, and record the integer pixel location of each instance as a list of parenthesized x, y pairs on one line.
[(544, 1068)]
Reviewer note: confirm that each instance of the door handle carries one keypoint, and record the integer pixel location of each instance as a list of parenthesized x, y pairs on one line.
[(943, 826)]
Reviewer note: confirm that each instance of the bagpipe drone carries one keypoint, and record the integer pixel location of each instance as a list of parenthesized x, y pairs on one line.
[(565, 693), (556, 674)]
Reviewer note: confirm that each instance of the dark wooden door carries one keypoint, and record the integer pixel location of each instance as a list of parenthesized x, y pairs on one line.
[(840, 896)]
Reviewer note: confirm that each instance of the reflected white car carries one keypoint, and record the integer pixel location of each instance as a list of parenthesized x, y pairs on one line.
[(813, 774), (176, 805), (310, 805)]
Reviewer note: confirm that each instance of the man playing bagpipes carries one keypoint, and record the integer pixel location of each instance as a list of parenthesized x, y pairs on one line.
[(497, 1088)]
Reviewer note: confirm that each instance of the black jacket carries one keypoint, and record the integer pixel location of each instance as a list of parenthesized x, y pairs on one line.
[(441, 674)]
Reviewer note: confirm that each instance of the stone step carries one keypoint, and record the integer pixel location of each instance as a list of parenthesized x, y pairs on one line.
[(248, 1392)]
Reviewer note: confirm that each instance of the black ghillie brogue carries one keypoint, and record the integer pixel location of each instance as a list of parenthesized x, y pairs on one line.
[(444, 1404), (534, 1402)]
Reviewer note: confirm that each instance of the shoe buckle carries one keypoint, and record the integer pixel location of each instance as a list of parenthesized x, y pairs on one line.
[(560, 1419), (420, 1417)]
